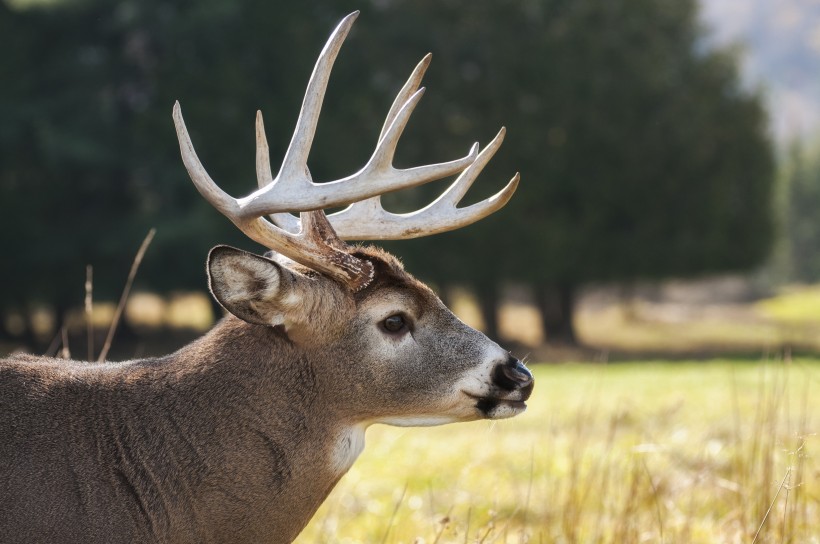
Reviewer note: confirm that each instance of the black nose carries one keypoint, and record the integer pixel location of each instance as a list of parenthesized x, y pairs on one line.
[(512, 375)]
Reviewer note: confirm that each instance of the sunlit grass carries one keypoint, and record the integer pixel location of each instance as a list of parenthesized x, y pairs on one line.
[(648, 452), (790, 318), (797, 305), (179, 310)]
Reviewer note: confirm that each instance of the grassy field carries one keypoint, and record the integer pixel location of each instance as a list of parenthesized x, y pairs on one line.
[(684, 452), (644, 452)]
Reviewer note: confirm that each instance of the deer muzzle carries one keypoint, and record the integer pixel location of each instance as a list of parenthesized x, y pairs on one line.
[(514, 376), (511, 386)]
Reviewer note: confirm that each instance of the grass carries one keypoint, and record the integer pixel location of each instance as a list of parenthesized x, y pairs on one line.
[(644, 452), (789, 318), (624, 329), (638, 326), (633, 452), (797, 305)]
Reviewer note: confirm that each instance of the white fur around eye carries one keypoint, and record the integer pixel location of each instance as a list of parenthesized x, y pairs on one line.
[(380, 310)]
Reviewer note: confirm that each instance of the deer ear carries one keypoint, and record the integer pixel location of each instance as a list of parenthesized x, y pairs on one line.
[(253, 288)]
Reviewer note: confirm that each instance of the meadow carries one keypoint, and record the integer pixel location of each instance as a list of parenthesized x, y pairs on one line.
[(717, 450), (682, 452)]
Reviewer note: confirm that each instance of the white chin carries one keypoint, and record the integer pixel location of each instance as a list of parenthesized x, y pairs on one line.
[(505, 409), (419, 421)]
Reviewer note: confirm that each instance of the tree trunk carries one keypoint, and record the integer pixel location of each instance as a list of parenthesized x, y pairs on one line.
[(488, 304), (556, 305)]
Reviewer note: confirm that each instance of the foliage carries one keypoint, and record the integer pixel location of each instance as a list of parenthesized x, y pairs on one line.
[(801, 178), (89, 157), (654, 452), (640, 155), (800, 307)]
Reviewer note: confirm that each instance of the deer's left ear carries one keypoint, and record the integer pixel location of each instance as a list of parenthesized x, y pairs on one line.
[(253, 288)]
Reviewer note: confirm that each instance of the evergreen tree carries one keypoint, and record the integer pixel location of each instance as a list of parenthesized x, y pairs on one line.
[(802, 236), (640, 155)]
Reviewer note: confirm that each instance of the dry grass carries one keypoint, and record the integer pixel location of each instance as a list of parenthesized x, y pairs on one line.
[(640, 326), (638, 452), (724, 329), (637, 327), (648, 452)]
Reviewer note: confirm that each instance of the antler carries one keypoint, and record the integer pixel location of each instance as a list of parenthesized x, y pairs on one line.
[(311, 239)]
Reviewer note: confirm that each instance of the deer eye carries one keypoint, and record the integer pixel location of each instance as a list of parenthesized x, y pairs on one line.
[(394, 323)]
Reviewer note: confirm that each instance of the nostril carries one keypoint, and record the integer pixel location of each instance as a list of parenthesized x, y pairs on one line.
[(519, 373), (512, 375)]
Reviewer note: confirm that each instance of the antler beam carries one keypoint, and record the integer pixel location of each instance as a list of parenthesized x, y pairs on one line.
[(310, 239)]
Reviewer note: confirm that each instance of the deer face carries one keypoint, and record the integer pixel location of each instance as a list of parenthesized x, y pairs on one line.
[(421, 364), (391, 353)]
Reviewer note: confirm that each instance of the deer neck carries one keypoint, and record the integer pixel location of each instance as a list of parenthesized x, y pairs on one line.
[(267, 448)]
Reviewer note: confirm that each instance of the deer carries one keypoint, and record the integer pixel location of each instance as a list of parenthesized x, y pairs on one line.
[(241, 435)]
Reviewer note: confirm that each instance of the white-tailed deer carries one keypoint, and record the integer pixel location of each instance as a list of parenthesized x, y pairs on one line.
[(239, 436)]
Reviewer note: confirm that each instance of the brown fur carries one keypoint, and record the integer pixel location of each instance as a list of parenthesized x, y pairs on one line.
[(235, 437)]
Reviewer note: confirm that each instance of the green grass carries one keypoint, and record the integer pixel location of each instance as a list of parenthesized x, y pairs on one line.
[(790, 318), (798, 305), (644, 452)]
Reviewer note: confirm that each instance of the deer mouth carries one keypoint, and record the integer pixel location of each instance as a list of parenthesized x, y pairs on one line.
[(497, 407)]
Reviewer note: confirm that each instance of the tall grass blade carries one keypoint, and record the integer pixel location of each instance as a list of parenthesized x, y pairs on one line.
[(393, 515), (89, 310), (125, 292), (771, 505)]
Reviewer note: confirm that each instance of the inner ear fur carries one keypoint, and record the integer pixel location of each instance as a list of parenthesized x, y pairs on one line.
[(269, 292), (251, 287)]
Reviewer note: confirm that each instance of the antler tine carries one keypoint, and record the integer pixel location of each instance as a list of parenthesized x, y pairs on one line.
[(282, 220), (368, 220), (263, 171), (456, 191), (219, 199), (294, 166), (291, 223), (408, 90)]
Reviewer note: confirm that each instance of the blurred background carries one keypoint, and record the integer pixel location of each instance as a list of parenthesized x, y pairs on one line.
[(667, 215), (668, 150)]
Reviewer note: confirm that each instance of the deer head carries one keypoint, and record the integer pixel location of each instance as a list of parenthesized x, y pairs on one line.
[(423, 364)]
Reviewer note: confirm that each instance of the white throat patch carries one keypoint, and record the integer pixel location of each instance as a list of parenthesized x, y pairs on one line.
[(349, 446)]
